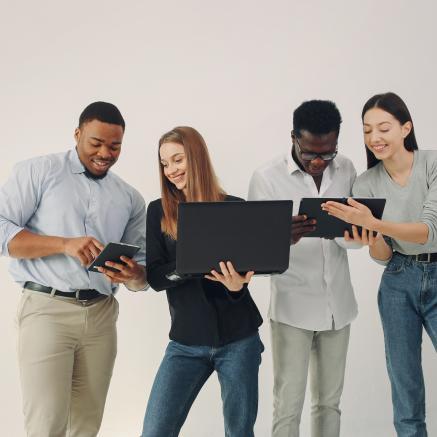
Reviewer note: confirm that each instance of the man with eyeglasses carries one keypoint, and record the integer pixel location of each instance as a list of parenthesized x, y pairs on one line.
[(312, 303)]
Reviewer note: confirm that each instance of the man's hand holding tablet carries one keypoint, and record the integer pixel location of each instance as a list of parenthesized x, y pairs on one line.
[(117, 264)]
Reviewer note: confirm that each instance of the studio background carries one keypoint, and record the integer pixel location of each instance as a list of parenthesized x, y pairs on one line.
[(234, 70)]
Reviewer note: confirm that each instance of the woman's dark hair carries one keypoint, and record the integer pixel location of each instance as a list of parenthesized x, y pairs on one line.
[(394, 105)]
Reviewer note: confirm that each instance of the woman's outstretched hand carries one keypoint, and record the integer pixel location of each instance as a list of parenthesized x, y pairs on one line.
[(354, 212), (231, 279)]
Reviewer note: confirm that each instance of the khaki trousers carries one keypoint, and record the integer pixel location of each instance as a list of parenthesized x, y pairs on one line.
[(66, 354), (324, 353)]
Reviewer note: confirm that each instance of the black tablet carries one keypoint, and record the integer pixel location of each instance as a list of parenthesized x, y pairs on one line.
[(328, 226), (113, 252)]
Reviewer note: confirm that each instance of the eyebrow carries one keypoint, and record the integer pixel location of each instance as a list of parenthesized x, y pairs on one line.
[(102, 141), (379, 124), (307, 151), (172, 156)]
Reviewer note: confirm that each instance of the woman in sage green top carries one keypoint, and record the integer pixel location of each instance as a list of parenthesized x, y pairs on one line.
[(406, 241)]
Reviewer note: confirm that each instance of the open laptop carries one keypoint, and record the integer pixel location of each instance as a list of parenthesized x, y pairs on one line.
[(253, 235)]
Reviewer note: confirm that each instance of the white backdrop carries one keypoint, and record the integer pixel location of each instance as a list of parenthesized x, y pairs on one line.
[(235, 70)]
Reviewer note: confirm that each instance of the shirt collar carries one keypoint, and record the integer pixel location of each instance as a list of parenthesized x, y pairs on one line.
[(291, 163), (293, 167), (75, 164)]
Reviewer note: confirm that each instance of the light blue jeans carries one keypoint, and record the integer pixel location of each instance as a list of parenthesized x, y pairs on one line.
[(182, 374), (407, 301)]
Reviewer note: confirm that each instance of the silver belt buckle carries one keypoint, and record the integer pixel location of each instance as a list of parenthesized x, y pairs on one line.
[(84, 302), (427, 260)]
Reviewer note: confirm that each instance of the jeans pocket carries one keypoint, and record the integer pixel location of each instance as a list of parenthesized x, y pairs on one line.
[(394, 287), (395, 265)]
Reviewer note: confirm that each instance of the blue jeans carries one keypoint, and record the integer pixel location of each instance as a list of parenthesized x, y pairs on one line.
[(407, 301), (182, 374)]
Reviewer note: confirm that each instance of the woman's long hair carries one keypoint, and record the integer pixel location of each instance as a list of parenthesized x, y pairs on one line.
[(394, 105), (202, 183)]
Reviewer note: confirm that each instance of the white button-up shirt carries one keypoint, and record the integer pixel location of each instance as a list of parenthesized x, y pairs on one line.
[(315, 293)]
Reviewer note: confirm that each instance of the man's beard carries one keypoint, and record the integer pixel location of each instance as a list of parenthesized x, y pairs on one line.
[(90, 175)]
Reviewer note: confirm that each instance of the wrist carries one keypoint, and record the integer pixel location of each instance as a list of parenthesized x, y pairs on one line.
[(235, 290), (374, 224), (138, 281), (138, 285)]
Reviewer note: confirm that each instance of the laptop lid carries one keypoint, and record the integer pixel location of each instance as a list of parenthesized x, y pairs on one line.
[(253, 235)]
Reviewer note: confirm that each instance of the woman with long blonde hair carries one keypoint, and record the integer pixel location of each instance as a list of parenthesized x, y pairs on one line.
[(214, 321)]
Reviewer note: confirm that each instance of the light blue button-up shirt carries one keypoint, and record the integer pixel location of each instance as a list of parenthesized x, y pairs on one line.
[(51, 195)]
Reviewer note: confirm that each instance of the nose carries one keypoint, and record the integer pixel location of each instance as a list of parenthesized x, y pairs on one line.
[(104, 152), (374, 137), (171, 169), (318, 162)]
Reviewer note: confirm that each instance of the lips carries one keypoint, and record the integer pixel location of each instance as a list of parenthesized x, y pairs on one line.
[(101, 165), (178, 178), (379, 148)]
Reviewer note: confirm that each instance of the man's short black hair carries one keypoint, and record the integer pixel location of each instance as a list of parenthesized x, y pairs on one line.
[(318, 117), (102, 111)]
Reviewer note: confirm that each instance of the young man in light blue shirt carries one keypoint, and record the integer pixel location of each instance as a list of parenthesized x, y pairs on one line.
[(56, 214)]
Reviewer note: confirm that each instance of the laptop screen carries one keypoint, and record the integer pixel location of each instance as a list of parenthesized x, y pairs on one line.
[(253, 235)]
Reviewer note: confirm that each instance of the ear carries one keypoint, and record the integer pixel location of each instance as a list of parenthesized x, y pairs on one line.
[(77, 134), (406, 129)]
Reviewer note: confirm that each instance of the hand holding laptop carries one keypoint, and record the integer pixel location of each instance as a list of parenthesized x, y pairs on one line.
[(230, 278)]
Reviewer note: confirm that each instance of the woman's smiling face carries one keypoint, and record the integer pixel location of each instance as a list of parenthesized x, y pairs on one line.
[(174, 163), (383, 133)]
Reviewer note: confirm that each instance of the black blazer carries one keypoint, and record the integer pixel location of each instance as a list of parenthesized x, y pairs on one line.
[(203, 312)]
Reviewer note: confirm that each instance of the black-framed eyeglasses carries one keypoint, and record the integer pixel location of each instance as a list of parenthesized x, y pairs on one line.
[(309, 156)]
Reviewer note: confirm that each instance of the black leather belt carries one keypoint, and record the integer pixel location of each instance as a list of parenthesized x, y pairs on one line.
[(80, 295), (423, 257)]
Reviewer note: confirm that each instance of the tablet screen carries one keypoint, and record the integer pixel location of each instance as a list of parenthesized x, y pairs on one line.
[(113, 252), (328, 226)]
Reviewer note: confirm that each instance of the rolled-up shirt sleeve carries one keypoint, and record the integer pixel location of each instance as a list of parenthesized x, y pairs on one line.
[(19, 199)]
